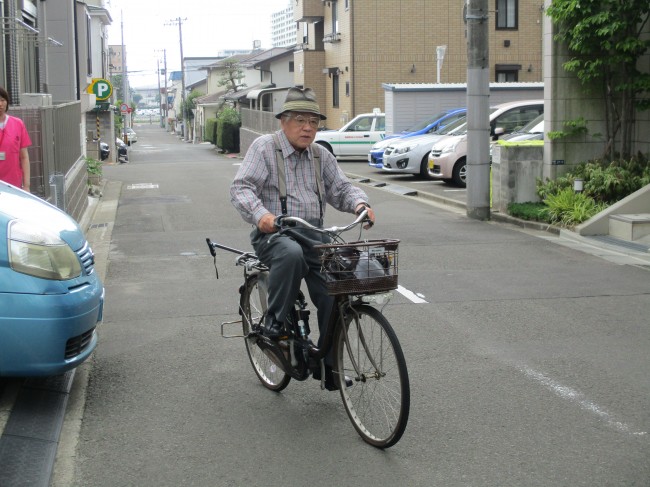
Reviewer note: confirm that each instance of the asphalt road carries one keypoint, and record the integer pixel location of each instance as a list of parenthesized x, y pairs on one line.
[(528, 359)]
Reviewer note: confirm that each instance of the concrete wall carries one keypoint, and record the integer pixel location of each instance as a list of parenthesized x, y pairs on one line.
[(62, 77), (515, 170)]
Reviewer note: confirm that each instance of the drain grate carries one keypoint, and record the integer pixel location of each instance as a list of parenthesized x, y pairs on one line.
[(607, 239)]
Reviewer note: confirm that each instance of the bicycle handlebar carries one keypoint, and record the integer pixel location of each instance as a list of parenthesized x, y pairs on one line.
[(283, 222)]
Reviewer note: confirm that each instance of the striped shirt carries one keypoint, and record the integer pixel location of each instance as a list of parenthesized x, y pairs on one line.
[(254, 191)]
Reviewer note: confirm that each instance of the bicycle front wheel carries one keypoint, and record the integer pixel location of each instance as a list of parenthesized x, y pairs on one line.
[(368, 352), (253, 306)]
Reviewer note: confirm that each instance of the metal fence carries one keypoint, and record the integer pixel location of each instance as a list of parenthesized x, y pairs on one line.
[(56, 154)]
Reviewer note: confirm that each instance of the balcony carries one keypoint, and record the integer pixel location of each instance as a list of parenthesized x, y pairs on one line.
[(332, 37), (309, 11)]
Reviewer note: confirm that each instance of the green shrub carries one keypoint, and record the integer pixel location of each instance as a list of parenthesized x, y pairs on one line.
[(529, 211), (569, 208), (211, 130), (605, 182), (93, 166), (228, 125)]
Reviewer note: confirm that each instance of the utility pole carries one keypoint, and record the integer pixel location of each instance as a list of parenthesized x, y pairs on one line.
[(125, 80), (180, 21), (478, 117), (163, 105), (159, 93)]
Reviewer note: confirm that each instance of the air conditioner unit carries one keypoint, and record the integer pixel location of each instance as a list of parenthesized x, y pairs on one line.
[(35, 100)]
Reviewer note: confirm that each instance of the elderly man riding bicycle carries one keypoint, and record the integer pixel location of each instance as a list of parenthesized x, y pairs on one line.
[(285, 173)]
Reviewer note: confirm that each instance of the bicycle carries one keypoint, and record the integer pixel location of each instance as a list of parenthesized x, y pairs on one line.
[(365, 346)]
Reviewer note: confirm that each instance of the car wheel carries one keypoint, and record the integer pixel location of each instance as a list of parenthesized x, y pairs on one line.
[(326, 146), (424, 167), (459, 174)]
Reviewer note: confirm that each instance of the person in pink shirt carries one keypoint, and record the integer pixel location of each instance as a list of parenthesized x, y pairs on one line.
[(14, 140)]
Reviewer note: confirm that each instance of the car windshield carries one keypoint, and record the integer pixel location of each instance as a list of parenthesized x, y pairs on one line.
[(535, 126), (425, 123), (459, 127), (453, 127)]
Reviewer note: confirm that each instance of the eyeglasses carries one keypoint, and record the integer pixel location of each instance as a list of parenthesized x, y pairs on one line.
[(314, 122)]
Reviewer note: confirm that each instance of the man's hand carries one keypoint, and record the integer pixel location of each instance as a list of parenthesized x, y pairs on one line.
[(371, 214), (267, 224)]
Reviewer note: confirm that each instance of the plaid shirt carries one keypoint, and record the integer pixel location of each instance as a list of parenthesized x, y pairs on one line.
[(254, 191)]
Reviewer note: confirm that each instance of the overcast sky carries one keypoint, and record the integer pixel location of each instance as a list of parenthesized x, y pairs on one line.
[(208, 26)]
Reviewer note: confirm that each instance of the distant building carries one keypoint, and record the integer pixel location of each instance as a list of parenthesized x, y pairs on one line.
[(116, 59), (283, 27)]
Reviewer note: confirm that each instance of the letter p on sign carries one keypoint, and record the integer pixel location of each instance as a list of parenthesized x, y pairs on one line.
[(102, 89)]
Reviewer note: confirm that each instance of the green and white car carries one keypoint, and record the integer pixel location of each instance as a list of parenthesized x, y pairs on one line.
[(355, 139)]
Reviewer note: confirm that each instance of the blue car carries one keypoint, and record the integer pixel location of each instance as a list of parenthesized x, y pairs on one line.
[(51, 299), (376, 154)]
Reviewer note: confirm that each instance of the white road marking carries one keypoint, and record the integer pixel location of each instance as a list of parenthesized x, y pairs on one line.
[(578, 398), (410, 295), (142, 186)]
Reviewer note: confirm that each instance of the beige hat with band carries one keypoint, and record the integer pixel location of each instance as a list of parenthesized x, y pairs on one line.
[(301, 100)]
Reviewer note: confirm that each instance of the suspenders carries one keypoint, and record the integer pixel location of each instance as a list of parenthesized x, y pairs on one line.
[(282, 176)]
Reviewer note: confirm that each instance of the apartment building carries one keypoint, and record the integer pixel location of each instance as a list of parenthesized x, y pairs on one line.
[(346, 49), (283, 27)]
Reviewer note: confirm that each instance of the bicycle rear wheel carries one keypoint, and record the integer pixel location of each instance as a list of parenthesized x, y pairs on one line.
[(253, 306), (378, 401)]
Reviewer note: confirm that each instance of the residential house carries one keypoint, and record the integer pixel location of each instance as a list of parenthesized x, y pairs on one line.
[(52, 53)]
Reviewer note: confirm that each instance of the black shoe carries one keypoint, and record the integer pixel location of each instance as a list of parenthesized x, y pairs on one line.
[(330, 384), (272, 329)]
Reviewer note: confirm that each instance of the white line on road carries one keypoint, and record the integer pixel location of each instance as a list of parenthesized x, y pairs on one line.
[(410, 295), (578, 398)]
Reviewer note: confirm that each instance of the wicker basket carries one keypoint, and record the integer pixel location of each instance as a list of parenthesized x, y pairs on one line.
[(365, 267)]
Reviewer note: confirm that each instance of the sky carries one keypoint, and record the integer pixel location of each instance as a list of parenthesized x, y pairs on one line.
[(208, 26)]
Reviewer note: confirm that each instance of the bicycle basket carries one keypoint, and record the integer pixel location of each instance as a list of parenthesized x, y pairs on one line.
[(363, 267)]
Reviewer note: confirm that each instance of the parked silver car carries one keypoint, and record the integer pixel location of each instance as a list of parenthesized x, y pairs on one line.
[(410, 155), (448, 157)]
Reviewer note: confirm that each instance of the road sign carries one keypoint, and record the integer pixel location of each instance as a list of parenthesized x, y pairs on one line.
[(102, 106), (102, 88), (124, 108)]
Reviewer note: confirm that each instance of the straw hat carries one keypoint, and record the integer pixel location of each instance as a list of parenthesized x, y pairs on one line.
[(301, 100)]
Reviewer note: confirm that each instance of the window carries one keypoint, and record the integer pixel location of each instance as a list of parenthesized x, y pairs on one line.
[(335, 18), (507, 12), (347, 88), (89, 53), (507, 76), (335, 90), (507, 73), (363, 124), (291, 68), (305, 33)]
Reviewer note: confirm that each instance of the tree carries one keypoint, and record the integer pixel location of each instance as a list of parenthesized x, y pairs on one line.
[(232, 75), (607, 39), (190, 104)]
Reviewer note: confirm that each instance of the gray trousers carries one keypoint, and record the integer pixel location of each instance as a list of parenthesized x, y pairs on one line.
[(291, 260)]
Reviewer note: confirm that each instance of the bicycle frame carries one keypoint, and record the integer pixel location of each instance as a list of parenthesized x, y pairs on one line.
[(365, 361)]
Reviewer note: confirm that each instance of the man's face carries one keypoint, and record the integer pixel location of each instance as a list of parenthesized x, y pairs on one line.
[(300, 128)]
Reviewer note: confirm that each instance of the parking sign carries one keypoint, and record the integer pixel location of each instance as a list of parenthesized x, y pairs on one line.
[(102, 88)]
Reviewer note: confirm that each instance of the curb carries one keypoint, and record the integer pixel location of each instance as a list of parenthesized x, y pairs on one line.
[(494, 216)]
